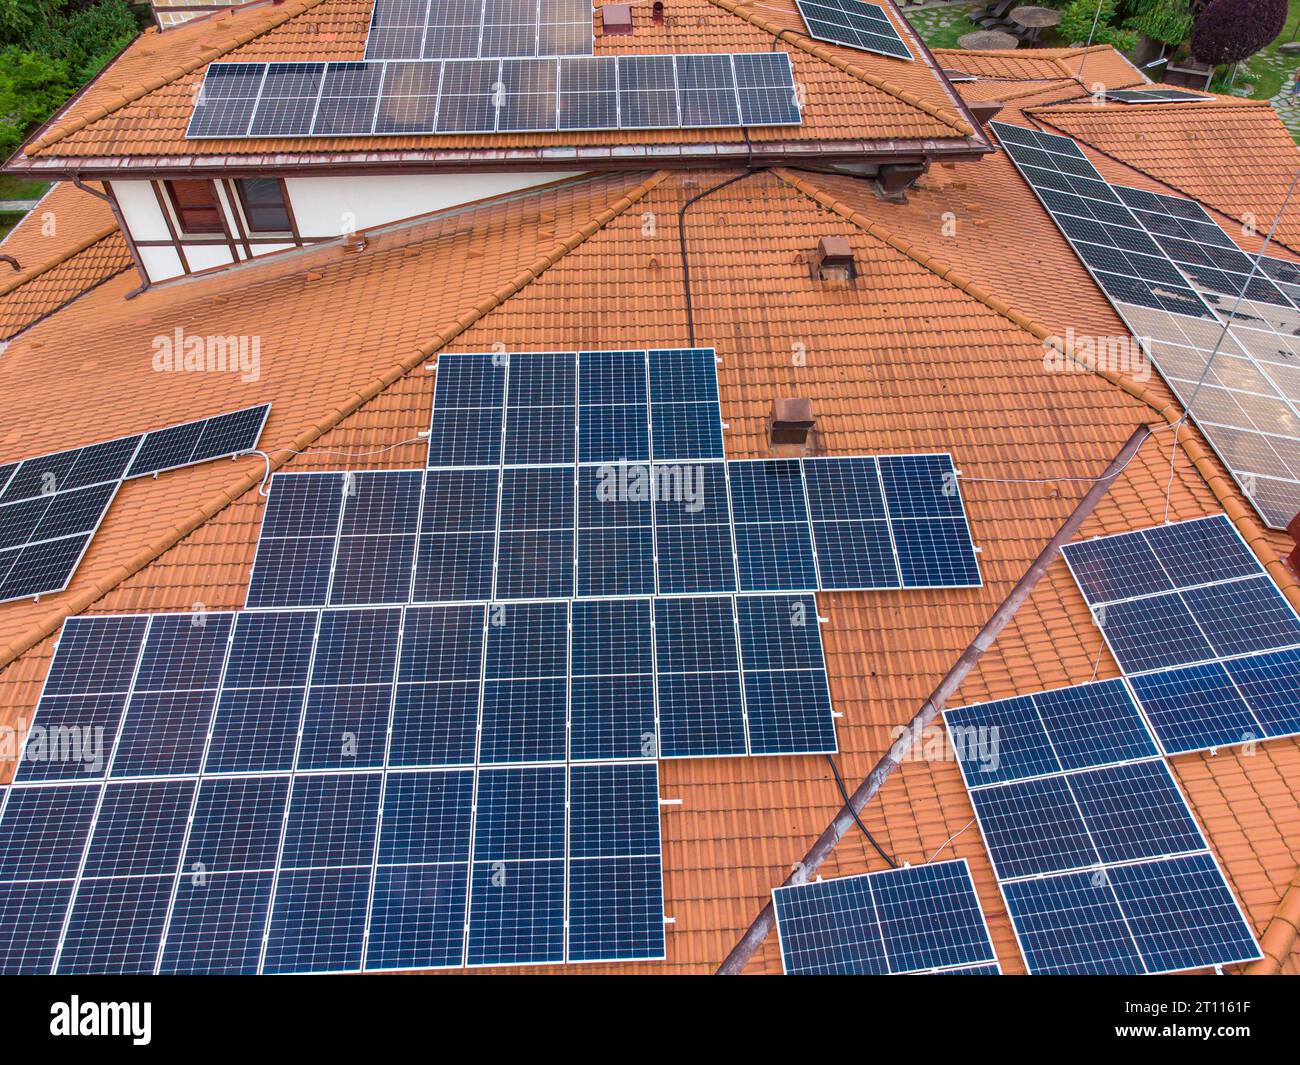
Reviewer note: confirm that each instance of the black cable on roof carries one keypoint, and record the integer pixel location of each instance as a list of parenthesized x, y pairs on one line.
[(681, 235), (839, 780)]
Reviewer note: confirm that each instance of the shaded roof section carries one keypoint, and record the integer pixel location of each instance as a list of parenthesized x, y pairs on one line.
[(1232, 154), (855, 103)]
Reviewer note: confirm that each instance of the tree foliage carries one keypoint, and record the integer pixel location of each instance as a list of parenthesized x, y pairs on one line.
[(1166, 21), (1232, 30), (1077, 24), (48, 50)]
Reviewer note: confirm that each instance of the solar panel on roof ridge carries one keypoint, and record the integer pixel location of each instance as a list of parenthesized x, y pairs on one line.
[(1156, 94), (914, 919), (468, 95), (854, 24)]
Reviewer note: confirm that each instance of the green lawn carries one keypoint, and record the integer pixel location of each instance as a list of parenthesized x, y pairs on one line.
[(940, 27), (16, 188)]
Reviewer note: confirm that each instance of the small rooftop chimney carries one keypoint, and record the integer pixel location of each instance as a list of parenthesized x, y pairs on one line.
[(616, 20), (1294, 530), (985, 111), (834, 260), (657, 12), (791, 422)]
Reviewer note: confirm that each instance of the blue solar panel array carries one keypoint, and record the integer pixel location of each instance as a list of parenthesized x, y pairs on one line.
[(1210, 646), (1100, 862), (1184, 287), (378, 98), (560, 475), (52, 505), (301, 792), (917, 919)]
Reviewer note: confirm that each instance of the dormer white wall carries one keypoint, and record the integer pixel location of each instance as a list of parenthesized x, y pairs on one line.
[(319, 208)]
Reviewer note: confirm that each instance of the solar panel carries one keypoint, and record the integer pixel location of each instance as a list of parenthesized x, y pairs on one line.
[(854, 24), (468, 29), (51, 506), (224, 107), (1187, 609), (500, 520), (401, 93), (1223, 339), (319, 829), (1158, 95), (1100, 862), (917, 919)]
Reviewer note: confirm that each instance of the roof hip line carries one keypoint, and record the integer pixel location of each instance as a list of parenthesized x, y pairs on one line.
[(49, 623), (144, 88), (944, 115), (34, 272), (1036, 115)]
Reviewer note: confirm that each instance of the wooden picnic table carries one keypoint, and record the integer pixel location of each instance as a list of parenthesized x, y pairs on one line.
[(1035, 20)]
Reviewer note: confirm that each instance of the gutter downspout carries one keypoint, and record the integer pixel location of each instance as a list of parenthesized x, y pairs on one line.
[(753, 938), (108, 197)]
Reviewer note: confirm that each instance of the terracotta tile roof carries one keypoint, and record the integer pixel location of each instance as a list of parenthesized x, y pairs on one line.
[(938, 350), (141, 106), (34, 294), (66, 245), (1185, 147), (61, 220), (1100, 63), (332, 326), (939, 347)]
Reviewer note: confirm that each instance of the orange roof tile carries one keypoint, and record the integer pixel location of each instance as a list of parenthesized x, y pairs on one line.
[(1099, 63), (37, 293), (938, 346), (62, 219)]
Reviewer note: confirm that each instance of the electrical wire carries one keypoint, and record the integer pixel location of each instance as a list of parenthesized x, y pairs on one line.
[(839, 781), (681, 235), (261, 488), (949, 840)]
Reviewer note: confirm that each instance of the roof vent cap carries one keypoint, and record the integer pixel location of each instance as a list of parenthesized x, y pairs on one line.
[(616, 20), (791, 422), (834, 260)]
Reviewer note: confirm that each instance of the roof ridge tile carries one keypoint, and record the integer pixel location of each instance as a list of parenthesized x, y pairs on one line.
[(33, 272)]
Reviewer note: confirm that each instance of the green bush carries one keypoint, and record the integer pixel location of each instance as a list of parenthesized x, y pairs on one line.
[(48, 50), (32, 86), (1167, 21), (1077, 24)]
